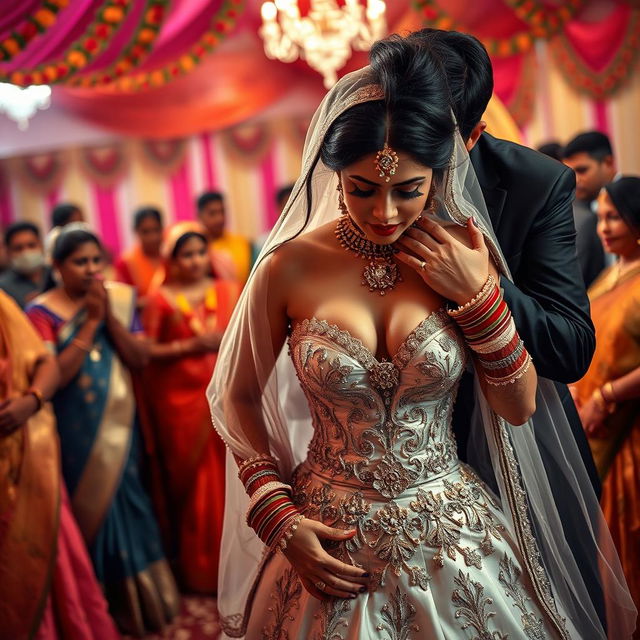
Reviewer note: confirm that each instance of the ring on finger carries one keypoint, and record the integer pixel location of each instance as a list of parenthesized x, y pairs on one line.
[(423, 265), (320, 586)]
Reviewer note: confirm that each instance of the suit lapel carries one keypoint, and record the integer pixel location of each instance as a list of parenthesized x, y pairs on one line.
[(489, 179)]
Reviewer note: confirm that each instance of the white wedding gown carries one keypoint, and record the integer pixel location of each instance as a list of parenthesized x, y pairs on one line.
[(383, 460)]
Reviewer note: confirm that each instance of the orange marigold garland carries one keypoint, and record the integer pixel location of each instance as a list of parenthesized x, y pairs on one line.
[(36, 23), (222, 23), (543, 23), (135, 53), (109, 17)]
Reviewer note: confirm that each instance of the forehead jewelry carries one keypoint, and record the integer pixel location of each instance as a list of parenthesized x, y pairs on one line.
[(381, 274), (386, 162)]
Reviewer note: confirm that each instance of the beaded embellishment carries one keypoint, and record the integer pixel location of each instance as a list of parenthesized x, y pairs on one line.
[(386, 162), (381, 274)]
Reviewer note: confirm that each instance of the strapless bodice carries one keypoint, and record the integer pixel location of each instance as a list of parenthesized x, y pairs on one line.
[(381, 425)]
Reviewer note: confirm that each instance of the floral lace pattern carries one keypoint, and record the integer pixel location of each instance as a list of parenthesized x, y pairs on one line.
[(435, 521), (389, 428)]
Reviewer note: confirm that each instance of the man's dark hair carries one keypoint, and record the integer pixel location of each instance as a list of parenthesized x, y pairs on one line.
[(146, 212), (62, 213), (19, 227), (594, 143), (468, 70), (207, 197), (414, 117), (552, 149)]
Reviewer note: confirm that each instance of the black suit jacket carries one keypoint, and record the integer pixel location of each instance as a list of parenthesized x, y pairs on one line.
[(529, 198)]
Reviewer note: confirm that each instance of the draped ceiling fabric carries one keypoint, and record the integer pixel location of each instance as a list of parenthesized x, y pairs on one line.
[(200, 63)]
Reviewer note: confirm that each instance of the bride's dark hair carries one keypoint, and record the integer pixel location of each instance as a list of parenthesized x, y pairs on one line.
[(415, 115)]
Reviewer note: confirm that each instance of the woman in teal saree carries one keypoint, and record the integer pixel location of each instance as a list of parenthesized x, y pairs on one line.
[(91, 325)]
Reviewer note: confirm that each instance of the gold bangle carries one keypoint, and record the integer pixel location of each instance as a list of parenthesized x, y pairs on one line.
[(601, 403), (37, 394), (607, 388), (81, 344)]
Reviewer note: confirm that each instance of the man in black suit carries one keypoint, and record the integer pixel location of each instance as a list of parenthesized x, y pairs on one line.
[(529, 199)]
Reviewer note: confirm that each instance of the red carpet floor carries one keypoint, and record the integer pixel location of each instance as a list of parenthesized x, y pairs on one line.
[(198, 620)]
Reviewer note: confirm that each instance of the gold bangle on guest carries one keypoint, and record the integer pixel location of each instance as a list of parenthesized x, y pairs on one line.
[(607, 392), (37, 394), (81, 344), (601, 403)]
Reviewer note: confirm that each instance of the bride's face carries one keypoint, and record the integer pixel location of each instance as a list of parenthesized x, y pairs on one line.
[(385, 210)]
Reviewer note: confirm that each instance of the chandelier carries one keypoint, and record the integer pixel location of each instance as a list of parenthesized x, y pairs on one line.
[(21, 104), (324, 37)]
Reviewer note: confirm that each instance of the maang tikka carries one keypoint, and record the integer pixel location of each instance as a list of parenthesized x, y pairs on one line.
[(381, 274)]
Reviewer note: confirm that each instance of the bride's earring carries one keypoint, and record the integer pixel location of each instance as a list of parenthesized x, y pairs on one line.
[(341, 203), (431, 203)]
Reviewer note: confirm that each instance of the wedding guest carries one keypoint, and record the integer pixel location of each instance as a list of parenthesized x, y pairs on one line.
[(48, 589), (138, 265), (591, 157), (66, 213), (608, 397), (552, 149), (231, 252), (27, 274), (185, 319), (90, 325)]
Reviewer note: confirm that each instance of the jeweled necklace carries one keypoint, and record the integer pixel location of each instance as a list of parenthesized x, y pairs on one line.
[(381, 274)]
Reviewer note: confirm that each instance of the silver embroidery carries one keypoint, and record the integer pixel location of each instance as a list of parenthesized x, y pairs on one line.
[(398, 616), (472, 608), (287, 599), (509, 577), (334, 617)]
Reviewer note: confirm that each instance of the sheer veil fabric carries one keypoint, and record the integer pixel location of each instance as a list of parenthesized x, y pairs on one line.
[(255, 392)]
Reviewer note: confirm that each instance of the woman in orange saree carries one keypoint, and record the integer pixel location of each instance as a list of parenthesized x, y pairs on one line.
[(138, 265), (608, 397), (185, 318), (47, 586)]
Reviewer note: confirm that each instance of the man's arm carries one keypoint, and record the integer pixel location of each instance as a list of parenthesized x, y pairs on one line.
[(548, 301)]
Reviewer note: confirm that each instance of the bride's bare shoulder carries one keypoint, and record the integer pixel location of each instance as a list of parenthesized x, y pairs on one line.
[(296, 256)]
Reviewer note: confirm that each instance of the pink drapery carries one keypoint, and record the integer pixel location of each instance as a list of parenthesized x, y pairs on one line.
[(240, 72)]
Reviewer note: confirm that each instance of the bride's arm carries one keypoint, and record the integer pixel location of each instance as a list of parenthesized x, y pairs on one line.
[(243, 402), (457, 266)]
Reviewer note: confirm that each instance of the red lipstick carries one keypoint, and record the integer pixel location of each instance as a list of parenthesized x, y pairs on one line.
[(384, 229)]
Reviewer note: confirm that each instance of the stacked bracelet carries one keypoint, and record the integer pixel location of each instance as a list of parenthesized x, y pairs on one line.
[(490, 331), (271, 513)]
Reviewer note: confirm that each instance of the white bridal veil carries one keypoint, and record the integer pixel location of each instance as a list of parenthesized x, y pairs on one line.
[(256, 402)]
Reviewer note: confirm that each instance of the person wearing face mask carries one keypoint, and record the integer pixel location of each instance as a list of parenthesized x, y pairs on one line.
[(27, 274)]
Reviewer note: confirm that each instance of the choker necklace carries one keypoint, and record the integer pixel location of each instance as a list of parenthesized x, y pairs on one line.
[(381, 274)]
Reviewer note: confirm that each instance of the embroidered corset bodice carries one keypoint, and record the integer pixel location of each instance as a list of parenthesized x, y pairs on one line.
[(382, 425)]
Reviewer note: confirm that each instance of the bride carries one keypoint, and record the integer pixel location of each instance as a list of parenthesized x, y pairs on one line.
[(380, 285)]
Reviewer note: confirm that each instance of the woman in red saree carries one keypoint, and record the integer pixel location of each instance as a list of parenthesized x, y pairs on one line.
[(608, 397), (185, 318), (48, 589)]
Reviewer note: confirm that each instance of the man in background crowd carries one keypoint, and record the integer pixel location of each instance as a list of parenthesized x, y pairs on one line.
[(591, 157), (65, 213), (27, 274), (230, 252), (552, 149)]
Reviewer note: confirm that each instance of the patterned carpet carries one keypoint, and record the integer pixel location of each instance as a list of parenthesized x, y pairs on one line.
[(198, 620)]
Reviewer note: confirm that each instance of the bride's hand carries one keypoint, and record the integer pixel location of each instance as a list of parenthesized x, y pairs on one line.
[(321, 574), (450, 267)]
